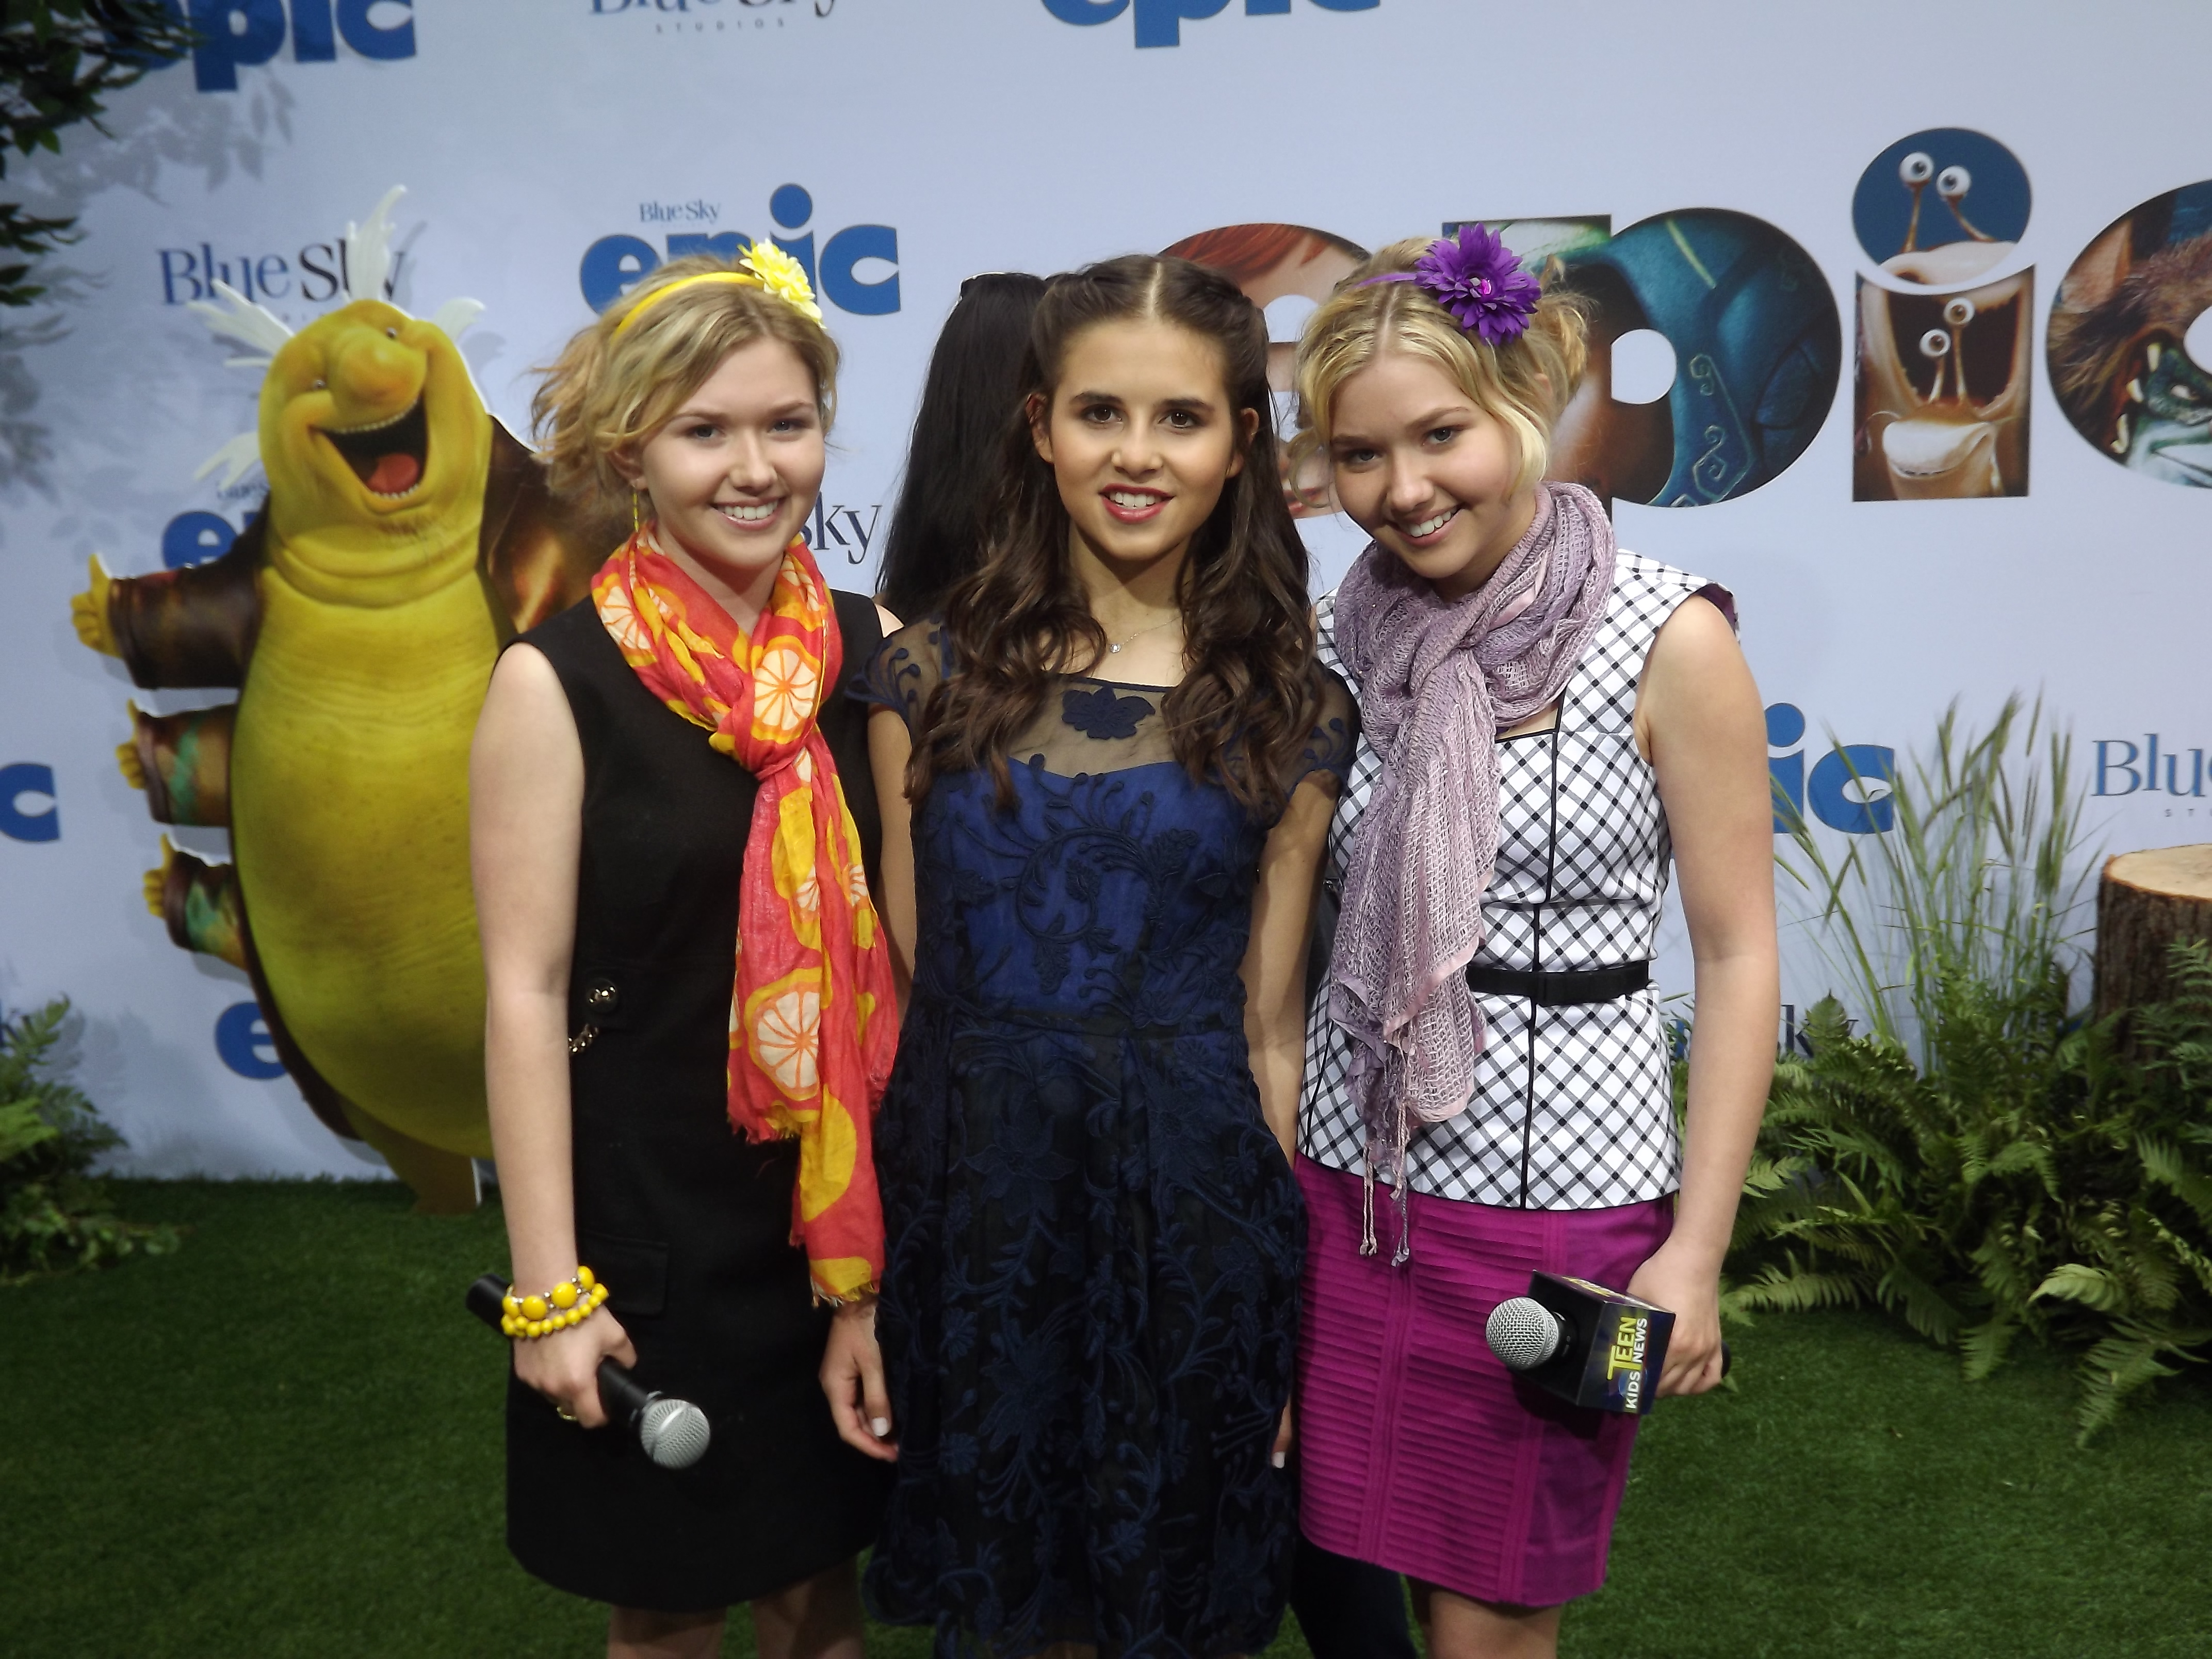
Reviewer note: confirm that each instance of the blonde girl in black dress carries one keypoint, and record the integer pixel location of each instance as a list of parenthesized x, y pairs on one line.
[(613, 828)]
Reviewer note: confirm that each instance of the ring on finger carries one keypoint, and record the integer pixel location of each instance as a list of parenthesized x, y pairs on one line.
[(564, 1413)]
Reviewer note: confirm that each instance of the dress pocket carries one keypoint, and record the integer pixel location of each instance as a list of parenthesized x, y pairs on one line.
[(634, 1270)]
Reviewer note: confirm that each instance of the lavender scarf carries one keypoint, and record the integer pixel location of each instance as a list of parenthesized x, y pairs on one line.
[(1438, 679)]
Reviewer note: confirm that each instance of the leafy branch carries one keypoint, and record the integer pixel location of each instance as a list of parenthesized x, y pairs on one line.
[(53, 1214), (60, 62)]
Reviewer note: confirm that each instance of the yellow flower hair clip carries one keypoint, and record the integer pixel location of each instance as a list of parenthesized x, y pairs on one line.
[(765, 267), (783, 277)]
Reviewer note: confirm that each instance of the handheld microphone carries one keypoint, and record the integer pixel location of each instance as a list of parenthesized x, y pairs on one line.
[(1582, 1342), (673, 1433)]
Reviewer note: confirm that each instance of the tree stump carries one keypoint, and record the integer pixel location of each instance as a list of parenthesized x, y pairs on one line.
[(2145, 903)]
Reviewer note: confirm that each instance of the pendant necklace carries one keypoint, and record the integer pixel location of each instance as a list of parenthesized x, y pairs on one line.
[(1114, 646)]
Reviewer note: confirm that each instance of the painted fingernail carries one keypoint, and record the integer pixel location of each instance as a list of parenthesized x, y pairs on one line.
[(1276, 1458), (880, 1426)]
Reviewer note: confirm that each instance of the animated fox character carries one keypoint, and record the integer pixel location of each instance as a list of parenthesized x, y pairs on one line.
[(406, 537)]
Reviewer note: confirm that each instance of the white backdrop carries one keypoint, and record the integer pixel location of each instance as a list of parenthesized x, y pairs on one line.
[(997, 134)]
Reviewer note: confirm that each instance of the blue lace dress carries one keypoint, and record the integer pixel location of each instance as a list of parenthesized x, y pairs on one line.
[(1090, 1304)]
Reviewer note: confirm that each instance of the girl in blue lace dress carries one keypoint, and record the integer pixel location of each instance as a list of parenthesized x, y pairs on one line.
[(1119, 757)]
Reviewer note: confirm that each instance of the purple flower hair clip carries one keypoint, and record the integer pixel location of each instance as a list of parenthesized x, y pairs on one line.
[(1477, 279)]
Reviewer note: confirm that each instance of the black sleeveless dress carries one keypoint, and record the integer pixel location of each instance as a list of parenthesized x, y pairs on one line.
[(688, 1224)]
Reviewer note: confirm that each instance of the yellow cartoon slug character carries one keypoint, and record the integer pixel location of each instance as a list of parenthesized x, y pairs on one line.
[(406, 536)]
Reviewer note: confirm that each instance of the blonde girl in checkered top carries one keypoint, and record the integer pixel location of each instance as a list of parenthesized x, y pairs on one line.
[(1550, 723)]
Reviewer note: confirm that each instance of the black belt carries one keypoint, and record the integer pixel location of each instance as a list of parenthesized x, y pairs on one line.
[(1566, 990)]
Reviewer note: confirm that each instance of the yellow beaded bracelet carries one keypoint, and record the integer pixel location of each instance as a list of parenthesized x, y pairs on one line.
[(571, 1302)]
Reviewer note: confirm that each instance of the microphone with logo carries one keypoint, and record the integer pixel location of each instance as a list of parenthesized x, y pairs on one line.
[(1582, 1342), (673, 1433)]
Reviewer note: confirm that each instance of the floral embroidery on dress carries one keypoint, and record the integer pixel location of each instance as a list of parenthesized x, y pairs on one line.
[(1102, 713)]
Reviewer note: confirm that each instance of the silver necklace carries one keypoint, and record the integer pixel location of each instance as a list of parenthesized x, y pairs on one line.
[(1114, 646)]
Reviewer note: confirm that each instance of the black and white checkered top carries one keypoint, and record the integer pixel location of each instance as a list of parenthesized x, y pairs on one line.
[(1572, 1107)]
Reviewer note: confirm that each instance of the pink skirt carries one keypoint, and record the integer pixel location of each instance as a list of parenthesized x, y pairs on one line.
[(1417, 1450)]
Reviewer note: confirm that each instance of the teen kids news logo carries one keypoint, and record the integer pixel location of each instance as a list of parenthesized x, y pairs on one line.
[(1159, 22), (235, 34)]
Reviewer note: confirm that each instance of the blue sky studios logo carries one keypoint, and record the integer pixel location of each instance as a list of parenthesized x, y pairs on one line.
[(236, 33), (756, 8), (613, 265), (2127, 767), (1159, 22), (315, 273), (835, 527)]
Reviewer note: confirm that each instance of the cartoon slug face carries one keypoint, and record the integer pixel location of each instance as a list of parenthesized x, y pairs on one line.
[(1952, 259), (371, 432), (1943, 392), (1951, 185), (1911, 208)]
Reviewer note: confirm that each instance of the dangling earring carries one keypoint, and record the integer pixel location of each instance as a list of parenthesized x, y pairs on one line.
[(636, 523)]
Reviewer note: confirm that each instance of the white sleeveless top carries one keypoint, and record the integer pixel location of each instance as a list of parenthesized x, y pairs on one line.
[(1573, 1107)]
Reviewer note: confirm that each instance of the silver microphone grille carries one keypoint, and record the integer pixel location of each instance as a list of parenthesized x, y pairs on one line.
[(674, 1433), (1522, 1333)]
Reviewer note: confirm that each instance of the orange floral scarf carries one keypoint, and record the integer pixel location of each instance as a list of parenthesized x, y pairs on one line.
[(812, 1022)]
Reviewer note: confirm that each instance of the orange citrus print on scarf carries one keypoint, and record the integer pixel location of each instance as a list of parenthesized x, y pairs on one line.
[(812, 1022)]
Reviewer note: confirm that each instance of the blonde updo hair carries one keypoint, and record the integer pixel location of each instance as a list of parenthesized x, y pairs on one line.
[(1522, 384), (612, 388)]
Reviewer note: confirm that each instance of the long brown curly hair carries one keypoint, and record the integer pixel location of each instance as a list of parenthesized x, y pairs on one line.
[(1247, 702)]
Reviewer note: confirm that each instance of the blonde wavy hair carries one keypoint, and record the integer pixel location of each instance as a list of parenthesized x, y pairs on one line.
[(612, 388), (1523, 384)]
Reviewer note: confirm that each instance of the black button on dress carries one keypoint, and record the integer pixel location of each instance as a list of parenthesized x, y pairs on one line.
[(688, 1224)]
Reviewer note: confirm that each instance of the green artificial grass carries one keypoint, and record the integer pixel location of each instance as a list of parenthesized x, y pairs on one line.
[(284, 1439)]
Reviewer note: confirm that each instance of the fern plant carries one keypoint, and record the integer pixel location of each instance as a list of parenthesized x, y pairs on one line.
[(1969, 1155), (53, 1213)]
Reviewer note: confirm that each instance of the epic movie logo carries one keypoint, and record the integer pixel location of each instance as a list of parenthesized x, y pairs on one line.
[(237, 33), (611, 265), (243, 1043), (21, 786), (1159, 22), (1850, 786)]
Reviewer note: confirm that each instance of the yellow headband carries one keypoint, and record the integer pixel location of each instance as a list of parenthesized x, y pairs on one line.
[(765, 267)]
